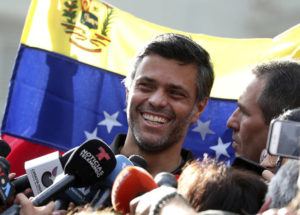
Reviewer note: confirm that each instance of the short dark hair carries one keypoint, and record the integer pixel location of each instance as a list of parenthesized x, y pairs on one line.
[(282, 87), (185, 50), (211, 185)]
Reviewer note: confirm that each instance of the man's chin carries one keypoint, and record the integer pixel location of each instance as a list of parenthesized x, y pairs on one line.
[(152, 145)]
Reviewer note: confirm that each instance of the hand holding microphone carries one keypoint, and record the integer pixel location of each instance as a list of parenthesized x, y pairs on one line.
[(88, 163), (41, 172)]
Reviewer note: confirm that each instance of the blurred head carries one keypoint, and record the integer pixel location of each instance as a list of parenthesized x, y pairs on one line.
[(210, 185), (274, 89), (283, 186), (167, 91), (270, 161)]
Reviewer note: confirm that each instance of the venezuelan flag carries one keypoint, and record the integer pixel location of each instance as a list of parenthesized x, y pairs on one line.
[(66, 83)]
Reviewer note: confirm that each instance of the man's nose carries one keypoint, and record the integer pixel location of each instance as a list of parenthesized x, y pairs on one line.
[(233, 121), (158, 98)]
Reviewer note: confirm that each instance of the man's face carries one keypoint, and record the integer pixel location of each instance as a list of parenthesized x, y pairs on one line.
[(249, 128), (162, 103)]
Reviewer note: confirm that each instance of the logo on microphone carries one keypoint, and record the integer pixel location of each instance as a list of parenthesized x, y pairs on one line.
[(102, 154), (5, 184), (48, 177), (6, 187)]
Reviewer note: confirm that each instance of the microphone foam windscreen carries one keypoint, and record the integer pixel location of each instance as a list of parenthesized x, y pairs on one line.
[(132, 182), (4, 148), (122, 162), (138, 160), (91, 161)]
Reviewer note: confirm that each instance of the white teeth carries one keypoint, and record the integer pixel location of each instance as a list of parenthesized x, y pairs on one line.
[(156, 119)]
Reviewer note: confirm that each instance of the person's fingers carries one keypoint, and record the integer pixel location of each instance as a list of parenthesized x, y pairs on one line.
[(271, 212), (133, 204), (265, 206), (11, 175), (26, 205), (269, 162), (47, 209), (267, 175), (28, 192), (59, 212), (21, 198)]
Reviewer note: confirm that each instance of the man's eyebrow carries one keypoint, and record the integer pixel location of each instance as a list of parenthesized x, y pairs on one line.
[(146, 79), (177, 87), (169, 86), (242, 107)]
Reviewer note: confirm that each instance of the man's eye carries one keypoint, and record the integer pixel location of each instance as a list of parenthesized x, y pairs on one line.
[(177, 94), (144, 86)]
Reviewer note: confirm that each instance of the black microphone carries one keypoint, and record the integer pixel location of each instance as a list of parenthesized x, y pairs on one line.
[(98, 195), (138, 160), (102, 198), (4, 148), (92, 194), (6, 188), (22, 182), (89, 163)]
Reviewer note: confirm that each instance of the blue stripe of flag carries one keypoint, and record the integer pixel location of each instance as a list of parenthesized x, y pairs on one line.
[(59, 102)]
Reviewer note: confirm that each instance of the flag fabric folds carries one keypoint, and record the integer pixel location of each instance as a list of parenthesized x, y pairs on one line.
[(66, 84)]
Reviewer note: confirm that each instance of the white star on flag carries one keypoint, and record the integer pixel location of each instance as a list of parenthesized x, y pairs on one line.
[(220, 149), (110, 121), (203, 128), (92, 135)]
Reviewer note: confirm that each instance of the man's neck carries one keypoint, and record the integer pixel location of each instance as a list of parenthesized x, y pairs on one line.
[(164, 161)]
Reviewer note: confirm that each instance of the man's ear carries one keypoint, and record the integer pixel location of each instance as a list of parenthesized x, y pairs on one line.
[(198, 109)]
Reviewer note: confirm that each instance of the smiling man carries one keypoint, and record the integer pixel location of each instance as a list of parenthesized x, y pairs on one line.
[(274, 89), (167, 91)]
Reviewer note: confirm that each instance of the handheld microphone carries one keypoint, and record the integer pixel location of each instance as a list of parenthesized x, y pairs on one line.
[(138, 160), (41, 174), (165, 179), (98, 195), (130, 183), (102, 197), (89, 163), (4, 148)]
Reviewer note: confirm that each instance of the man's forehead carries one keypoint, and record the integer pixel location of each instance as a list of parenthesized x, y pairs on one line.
[(253, 89), (250, 96)]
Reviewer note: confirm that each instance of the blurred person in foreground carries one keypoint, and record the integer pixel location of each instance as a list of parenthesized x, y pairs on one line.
[(284, 185), (203, 186)]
